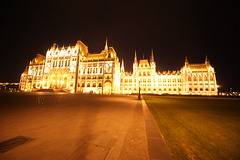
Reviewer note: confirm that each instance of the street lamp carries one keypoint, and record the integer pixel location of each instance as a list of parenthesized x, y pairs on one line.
[(139, 94)]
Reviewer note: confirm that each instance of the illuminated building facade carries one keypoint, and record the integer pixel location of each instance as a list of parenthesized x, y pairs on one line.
[(74, 69), (192, 79)]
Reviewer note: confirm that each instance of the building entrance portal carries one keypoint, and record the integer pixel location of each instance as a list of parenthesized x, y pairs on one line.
[(107, 88)]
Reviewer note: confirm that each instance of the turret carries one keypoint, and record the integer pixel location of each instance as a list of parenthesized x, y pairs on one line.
[(135, 58), (135, 63), (54, 46), (186, 61), (106, 45), (122, 67), (152, 63), (152, 58), (207, 61)]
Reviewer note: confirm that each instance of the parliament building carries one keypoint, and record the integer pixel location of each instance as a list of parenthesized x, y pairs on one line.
[(73, 69)]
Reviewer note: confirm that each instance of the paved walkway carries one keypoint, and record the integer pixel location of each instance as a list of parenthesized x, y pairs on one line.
[(73, 127)]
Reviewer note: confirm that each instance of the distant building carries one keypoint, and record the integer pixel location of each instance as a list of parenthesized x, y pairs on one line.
[(74, 69), (9, 87)]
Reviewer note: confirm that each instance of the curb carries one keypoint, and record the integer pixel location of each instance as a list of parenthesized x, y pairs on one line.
[(157, 148)]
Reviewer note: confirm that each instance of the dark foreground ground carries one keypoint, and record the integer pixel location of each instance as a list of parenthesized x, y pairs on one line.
[(61, 126), (198, 127)]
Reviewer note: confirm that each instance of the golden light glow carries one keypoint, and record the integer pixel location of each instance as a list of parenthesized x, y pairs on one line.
[(100, 73)]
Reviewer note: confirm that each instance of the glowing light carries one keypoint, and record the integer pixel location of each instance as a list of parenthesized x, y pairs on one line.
[(102, 73)]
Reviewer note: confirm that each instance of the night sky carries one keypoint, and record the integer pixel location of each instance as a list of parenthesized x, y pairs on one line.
[(173, 29)]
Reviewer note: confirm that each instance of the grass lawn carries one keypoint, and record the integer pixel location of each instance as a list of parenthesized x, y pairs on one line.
[(198, 127)]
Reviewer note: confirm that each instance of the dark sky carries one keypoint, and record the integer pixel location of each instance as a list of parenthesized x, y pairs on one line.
[(173, 29)]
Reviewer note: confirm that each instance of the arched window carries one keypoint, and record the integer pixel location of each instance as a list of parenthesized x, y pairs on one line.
[(211, 78), (144, 73), (148, 73), (88, 70), (84, 70), (139, 73), (108, 69), (194, 78), (205, 78)]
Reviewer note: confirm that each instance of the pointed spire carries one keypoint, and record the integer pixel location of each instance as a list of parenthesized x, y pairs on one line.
[(186, 60), (135, 58), (106, 45), (152, 58), (122, 67), (206, 59)]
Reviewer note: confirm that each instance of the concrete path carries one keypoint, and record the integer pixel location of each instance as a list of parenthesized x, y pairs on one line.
[(73, 127)]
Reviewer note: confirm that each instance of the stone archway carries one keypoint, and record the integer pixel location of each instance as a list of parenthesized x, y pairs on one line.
[(107, 88)]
